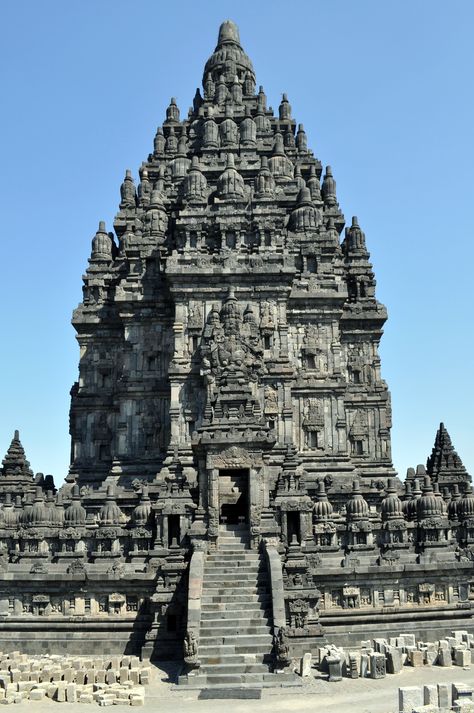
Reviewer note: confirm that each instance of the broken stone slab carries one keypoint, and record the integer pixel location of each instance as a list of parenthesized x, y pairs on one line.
[(354, 665), (377, 666), (305, 666), (335, 668)]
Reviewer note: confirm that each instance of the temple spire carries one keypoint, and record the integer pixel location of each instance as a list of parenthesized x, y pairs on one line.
[(444, 465), (15, 464)]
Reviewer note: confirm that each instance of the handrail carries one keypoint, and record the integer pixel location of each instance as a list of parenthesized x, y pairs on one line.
[(275, 572)]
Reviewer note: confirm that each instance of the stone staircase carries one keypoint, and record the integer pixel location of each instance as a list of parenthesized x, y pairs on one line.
[(235, 635), (235, 638)]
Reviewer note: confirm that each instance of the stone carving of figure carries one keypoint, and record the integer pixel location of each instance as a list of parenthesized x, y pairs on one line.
[(281, 648), (267, 324), (190, 648), (271, 400)]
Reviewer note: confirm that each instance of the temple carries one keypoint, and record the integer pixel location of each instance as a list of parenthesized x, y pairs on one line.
[(231, 492)]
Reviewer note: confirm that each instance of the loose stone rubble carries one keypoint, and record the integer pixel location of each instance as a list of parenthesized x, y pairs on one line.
[(75, 679), (378, 657), (440, 698)]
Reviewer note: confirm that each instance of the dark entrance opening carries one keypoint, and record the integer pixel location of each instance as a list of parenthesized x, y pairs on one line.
[(293, 526), (173, 530), (233, 496)]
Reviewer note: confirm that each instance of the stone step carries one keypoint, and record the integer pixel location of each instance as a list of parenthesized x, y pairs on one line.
[(223, 650), (232, 659), (223, 630), (263, 640), (241, 590), (236, 565), (217, 608), (234, 583), (256, 618), (236, 615), (233, 668), (231, 596), (243, 554), (210, 576), (239, 678)]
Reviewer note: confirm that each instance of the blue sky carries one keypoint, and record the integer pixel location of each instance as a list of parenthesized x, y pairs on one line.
[(384, 90)]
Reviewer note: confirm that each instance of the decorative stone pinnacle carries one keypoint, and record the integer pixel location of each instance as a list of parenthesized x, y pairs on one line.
[(228, 32)]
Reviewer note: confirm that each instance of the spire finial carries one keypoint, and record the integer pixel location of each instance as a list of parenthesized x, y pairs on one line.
[(228, 32)]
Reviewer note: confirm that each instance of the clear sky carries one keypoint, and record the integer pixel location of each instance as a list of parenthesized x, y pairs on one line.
[(385, 92)]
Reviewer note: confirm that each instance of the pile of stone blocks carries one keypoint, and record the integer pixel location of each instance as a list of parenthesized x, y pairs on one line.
[(375, 658), (440, 698), (73, 679)]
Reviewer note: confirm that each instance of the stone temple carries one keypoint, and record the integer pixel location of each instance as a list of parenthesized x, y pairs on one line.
[(231, 499)]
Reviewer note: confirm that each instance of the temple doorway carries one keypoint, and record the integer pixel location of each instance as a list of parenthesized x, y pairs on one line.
[(234, 496)]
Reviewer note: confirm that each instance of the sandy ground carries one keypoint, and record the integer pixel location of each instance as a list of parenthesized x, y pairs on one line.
[(316, 695)]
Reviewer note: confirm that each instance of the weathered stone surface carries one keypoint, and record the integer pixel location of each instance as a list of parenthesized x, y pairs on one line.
[(409, 697)]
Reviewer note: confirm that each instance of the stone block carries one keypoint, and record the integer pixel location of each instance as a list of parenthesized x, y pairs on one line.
[(415, 658), (37, 694), (444, 657), (431, 657), (394, 660), (123, 673), (134, 675), (61, 692), (364, 665), (353, 666), (462, 657), (335, 668), (377, 666), (137, 700), (71, 692), (430, 695), (110, 676), (68, 675), (461, 690), (305, 667), (407, 640), (100, 675), (460, 634), (409, 697), (86, 698), (444, 695), (463, 705)]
